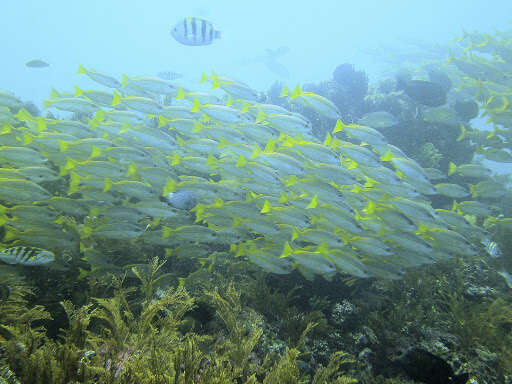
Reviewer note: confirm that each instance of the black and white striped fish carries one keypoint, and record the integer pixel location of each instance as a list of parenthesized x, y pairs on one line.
[(29, 256), (169, 75), (492, 248), (194, 31)]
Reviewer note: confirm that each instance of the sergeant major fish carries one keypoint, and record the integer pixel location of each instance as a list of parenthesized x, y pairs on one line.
[(29, 256), (194, 31)]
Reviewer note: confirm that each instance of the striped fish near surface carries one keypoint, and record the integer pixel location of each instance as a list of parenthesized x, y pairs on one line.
[(194, 31)]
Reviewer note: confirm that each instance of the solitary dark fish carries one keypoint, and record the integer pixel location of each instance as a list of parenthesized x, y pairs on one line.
[(428, 368), (439, 77), (421, 91), (194, 31), (36, 63), (184, 199), (466, 109), (425, 92)]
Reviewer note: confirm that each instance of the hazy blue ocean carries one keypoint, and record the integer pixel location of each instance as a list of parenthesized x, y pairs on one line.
[(128, 37)]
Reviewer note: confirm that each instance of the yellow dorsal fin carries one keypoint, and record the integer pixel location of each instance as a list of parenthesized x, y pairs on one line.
[(256, 152), (287, 250), (369, 183), (313, 203), (388, 156), (219, 203), (181, 94), (41, 125), (74, 182), (176, 159), (169, 187), (285, 92), (356, 189), (197, 127), (261, 116), (322, 248), (223, 143), (292, 180), (70, 164), (452, 168), (24, 115), (124, 80), (63, 145), (28, 138), (266, 207), (297, 92), (6, 129), (241, 161), (81, 70), (328, 140), (212, 161), (167, 232), (370, 207), (161, 121), (216, 82), (78, 91), (196, 106), (95, 152), (290, 142), (132, 170), (108, 184), (423, 229), (338, 127), (100, 115), (295, 234), (237, 221), (116, 100), (270, 146)]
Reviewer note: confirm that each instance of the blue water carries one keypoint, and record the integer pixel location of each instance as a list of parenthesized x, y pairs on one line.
[(132, 37)]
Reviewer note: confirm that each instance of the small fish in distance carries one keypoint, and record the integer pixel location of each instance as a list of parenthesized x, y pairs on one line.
[(169, 75), (37, 63)]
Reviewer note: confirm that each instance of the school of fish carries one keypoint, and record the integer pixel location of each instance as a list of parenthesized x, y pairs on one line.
[(225, 172)]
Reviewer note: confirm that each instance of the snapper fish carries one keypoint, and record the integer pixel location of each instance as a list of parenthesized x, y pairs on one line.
[(28, 256), (194, 31)]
